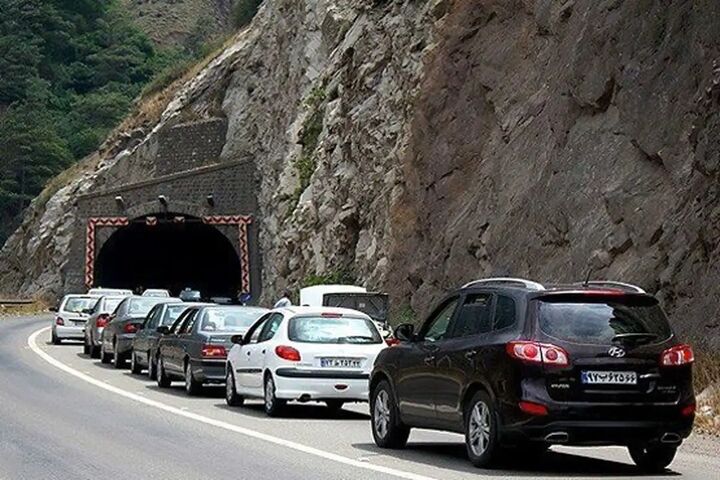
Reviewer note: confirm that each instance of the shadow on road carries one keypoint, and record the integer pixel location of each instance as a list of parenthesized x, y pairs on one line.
[(453, 456), (295, 411)]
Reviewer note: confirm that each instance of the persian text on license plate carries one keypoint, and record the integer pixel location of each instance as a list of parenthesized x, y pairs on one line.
[(340, 362), (594, 377)]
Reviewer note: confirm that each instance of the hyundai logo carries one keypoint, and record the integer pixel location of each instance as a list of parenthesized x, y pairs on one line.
[(616, 352)]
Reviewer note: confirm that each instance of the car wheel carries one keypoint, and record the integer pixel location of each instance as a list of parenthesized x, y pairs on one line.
[(334, 405), (152, 367), (94, 351), (163, 381), (481, 430), (273, 405), (387, 429), (135, 367), (86, 347), (118, 359), (104, 356), (55, 339), (192, 386), (231, 396), (652, 458)]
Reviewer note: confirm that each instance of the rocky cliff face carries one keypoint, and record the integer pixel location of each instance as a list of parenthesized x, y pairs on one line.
[(414, 145)]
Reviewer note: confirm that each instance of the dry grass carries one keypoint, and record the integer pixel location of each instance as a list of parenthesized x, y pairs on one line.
[(22, 310), (707, 374)]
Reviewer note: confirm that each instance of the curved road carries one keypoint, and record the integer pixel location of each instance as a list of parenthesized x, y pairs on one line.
[(63, 415)]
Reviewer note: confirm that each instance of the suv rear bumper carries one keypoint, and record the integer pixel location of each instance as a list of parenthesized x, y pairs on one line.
[(599, 432)]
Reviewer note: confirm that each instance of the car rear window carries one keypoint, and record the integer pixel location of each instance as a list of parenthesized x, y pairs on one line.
[(172, 313), (141, 306), (111, 304), (603, 319), (229, 319), (333, 330), (78, 304)]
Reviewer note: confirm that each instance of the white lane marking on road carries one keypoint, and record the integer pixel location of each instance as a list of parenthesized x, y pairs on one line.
[(32, 343)]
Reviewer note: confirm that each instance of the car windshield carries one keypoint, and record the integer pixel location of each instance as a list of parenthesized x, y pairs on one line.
[(111, 304), (141, 306), (78, 304), (602, 320), (333, 330), (236, 319), (172, 312)]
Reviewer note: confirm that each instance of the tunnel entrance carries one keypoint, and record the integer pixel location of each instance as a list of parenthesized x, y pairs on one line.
[(169, 254)]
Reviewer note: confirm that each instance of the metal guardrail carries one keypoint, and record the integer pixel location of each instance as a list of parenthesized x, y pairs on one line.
[(15, 301)]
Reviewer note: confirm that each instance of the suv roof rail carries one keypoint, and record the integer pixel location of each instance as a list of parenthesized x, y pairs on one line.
[(506, 280), (611, 283)]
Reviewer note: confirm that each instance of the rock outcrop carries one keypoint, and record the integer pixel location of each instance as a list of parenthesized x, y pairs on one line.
[(414, 145)]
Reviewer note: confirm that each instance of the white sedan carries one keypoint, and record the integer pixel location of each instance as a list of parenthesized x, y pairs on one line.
[(72, 314), (306, 354)]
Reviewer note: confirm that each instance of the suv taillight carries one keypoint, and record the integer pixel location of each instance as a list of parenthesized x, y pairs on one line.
[(287, 353), (542, 353), (102, 320), (677, 355), (214, 351)]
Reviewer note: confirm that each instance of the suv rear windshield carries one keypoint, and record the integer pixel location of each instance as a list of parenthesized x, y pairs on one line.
[(603, 319), (333, 330)]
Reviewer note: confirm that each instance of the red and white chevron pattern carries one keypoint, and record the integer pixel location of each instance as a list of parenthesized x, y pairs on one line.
[(92, 224), (242, 221)]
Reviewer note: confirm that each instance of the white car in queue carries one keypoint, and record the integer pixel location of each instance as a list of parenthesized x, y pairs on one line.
[(71, 317), (320, 354)]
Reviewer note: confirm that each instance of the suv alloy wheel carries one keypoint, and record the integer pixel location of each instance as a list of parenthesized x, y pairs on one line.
[(387, 429), (481, 430)]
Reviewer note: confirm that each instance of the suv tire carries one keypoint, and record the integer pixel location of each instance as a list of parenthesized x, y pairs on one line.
[(273, 405), (652, 458), (231, 396), (481, 430), (387, 429)]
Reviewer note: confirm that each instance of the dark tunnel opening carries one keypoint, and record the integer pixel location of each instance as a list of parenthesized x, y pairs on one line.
[(169, 255)]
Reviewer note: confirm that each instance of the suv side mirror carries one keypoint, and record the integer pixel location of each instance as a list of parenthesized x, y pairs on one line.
[(163, 329), (237, 339), (405, 332)]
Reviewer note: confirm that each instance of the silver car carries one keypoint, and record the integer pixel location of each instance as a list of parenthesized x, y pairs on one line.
[(69, 323), (99, 317)]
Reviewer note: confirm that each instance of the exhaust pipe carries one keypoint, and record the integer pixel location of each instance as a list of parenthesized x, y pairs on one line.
[(557, 437), (671, 438), (304, 398)]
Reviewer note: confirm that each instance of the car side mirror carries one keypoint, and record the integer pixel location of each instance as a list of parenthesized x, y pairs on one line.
[(87, 311), (163, 329), (53, 309), (237, 339), (405, 332)]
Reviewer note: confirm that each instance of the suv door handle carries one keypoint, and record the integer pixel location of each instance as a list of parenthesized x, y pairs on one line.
[(429, 359), (471, 354)]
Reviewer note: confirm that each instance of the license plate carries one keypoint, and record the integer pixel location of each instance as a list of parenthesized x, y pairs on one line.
[(594, 377), (78, 322), (340, 362)]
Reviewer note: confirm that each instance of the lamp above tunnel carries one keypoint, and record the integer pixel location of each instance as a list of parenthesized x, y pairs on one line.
[(163, 201), (120, 201), (210, 199)]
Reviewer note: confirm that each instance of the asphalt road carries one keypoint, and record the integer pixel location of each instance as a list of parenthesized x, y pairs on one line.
[(65, 416)]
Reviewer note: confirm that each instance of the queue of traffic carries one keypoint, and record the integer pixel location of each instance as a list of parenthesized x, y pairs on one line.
[(510, 363)]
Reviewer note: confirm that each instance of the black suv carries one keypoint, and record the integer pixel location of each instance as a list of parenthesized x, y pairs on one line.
[(513, 363)]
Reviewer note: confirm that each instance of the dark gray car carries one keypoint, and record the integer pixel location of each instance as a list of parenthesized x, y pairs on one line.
[(144, 352), (194, 349), (125, 322)]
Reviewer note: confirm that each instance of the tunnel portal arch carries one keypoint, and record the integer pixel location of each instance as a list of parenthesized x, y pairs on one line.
[(172, 251)]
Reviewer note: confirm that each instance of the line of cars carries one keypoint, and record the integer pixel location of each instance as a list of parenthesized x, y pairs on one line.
[(509, 363)]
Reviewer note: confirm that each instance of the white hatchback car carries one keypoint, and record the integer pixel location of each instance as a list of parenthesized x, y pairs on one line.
[(72, 314), (306, 354)]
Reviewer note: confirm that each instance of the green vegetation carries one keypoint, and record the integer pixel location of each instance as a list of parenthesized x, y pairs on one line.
[(243, 12), (404, 314), (309, 139), (341, 277)]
